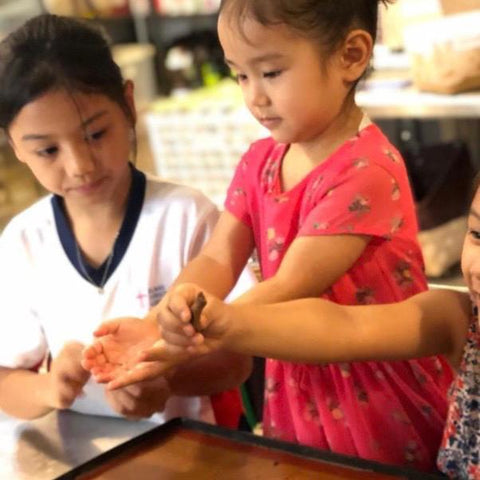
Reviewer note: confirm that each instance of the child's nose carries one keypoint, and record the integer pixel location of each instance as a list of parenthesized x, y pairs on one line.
[(256, 95), (80, 160)]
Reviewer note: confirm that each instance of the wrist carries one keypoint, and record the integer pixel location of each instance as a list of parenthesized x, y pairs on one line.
[(43, 392), (231, 338)]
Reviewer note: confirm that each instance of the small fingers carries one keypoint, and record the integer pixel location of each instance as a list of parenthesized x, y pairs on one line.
[(103, 377), (179, 306), (107, 328), (93, 356), (174, 339), (197, 350), (104, 373), (171, 320), (90, 364), (94, 349), (144, 371), (163, 351), (182, 298)]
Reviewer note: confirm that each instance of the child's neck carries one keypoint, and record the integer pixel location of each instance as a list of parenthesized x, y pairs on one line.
[(95, 228), (302, 158), (96, 233)]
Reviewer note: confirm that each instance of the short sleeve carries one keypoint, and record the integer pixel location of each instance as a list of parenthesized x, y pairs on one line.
[(22, 342), (237, 194), (365, 201), (202, 222)]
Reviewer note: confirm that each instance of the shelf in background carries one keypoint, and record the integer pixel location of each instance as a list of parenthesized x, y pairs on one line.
[(408, 102), (166, 29)]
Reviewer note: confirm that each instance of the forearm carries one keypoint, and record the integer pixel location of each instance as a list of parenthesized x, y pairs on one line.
[(318, 331), (310, 266), (23, 394), (210, 374), (209, 274), (285, 287), (299, 331), (270, 291)]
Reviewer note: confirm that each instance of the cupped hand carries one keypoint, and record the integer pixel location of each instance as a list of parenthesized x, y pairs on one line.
[(141, 400), (132, 350), (67, 377), (179, 335), (116, 356), (174, 314), (118, 345)]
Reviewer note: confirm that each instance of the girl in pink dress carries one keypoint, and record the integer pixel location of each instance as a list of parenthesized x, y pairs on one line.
[(431, 322), (326, 203)]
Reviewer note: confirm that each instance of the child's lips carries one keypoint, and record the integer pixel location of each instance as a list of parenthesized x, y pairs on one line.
[(270, 122), (90, 187)]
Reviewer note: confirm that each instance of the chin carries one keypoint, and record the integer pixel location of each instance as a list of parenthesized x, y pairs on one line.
[(282, 137)]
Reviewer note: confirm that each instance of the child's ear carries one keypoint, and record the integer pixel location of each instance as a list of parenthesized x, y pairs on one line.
[(128, 90), (355, 55)]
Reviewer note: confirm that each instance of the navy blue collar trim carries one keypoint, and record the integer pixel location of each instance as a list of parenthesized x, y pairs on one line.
[(132, 214)]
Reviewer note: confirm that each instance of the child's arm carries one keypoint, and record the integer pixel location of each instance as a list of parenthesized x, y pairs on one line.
[(29, 395), (318, 331), (213, 267), (310, 266), (222, 259), (217, 266)]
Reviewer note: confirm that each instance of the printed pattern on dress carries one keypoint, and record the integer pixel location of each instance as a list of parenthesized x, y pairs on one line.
[(460, 451)]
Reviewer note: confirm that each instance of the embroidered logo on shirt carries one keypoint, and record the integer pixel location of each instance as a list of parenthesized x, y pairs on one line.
[(155, 294)]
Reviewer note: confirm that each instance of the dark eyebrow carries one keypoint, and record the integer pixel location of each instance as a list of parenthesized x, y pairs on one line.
[(261, 58), (85, 123), (475, 214)]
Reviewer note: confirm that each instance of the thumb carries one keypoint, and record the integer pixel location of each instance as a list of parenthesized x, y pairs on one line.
[(110, 327)]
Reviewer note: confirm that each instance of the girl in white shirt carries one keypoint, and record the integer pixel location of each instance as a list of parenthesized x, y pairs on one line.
[(107, 242)]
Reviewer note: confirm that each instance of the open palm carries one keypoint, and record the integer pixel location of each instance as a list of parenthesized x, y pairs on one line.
[(118, 346)]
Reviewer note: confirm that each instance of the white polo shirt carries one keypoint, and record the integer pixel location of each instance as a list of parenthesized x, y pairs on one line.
[(46, 302)]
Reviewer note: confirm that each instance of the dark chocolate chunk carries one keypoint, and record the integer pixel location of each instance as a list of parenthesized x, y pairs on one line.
[(196, 310)]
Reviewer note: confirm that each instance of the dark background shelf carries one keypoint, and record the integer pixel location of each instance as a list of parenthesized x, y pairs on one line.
[(192, 31)]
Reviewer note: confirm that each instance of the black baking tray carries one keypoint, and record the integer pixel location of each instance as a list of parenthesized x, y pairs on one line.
[(244, 446)]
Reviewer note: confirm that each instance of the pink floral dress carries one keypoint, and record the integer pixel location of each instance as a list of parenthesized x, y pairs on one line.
[(392, 412)]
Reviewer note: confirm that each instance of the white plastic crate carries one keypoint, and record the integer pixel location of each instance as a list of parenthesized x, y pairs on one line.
[(198, 139)]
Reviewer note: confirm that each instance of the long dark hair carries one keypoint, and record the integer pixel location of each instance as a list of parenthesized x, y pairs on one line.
[(50, 52)]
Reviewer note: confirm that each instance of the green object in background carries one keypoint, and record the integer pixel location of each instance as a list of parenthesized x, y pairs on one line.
[(210, 76), (248, 408)]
